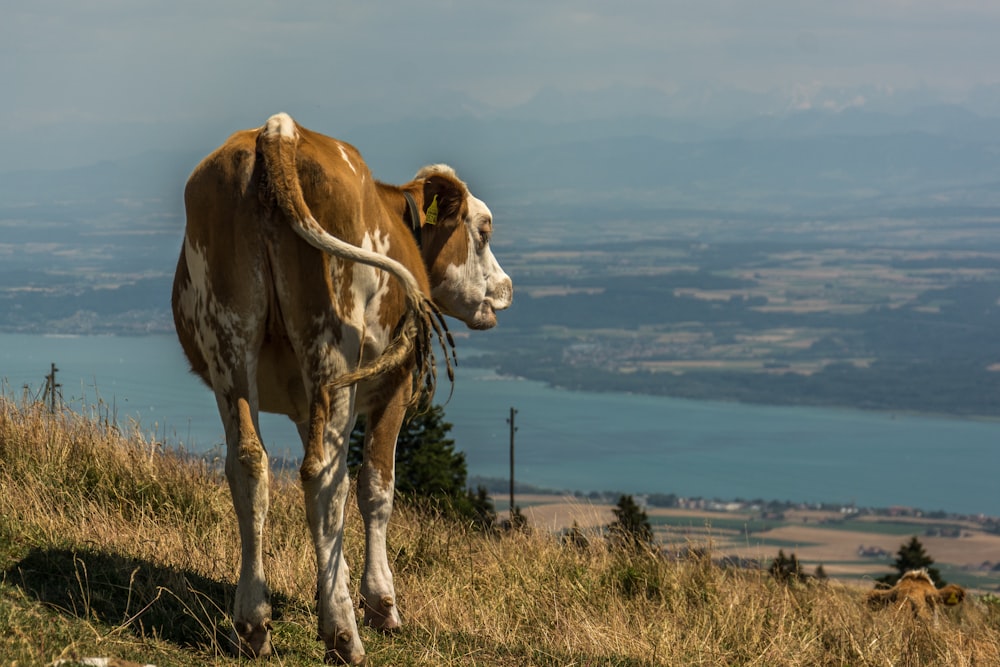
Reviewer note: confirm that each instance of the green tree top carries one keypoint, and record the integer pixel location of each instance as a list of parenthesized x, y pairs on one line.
[(911, 556), (786, 568), (631, 526)]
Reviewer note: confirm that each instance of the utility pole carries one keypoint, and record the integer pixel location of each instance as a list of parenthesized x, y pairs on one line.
[(51, 387), (513, 429)]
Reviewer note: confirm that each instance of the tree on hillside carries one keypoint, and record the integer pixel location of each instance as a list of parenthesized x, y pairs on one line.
[(786, 568), (428, 469), (574, 536), (631, 526), (516, 522), (911, 556), (477, 506)]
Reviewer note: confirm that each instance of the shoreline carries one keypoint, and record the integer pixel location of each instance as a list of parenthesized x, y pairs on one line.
[(473, 354)]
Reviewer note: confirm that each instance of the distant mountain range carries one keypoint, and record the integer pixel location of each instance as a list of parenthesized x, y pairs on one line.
[(720, 106), (684, 114), (812, 161)]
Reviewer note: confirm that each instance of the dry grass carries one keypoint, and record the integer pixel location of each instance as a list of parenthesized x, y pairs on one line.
[(111, 547)]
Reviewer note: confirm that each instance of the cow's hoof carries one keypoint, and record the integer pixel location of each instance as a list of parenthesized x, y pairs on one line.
[(346, 650), (251, 641), (383, 616)]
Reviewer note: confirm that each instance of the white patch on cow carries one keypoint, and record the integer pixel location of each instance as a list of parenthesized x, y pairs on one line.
[(440, 169), (281, 125), (343, 154), (369, 285), (377, 588), (476, 287), (197, 265), (208, 319), (463, 288), (328, 352)]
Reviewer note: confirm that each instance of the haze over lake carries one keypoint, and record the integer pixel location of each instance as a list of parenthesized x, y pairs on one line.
[(577, 440)]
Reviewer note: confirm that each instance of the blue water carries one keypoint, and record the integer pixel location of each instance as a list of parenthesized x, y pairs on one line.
[(578, 440)]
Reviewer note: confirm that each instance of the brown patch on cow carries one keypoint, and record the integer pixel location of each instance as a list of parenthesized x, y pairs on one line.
[(315, 458), (451, 196), (452, 208), (395, 204), (252, 454), (446, 242), (185, 331), (391, 399), (916, 590)]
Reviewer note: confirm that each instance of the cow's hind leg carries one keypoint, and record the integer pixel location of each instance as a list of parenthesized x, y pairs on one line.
[(376, 485), (248, 476), (325, 485)]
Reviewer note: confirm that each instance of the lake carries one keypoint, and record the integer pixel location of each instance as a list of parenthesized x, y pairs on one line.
[(576, 440)]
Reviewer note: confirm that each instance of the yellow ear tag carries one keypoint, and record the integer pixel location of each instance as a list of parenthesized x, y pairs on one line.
[(432, 212)]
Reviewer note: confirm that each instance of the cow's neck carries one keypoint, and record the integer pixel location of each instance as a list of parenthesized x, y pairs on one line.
[(414, 213), (404, 205)]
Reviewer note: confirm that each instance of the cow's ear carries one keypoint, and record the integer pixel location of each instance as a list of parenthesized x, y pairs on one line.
[(443, 199)]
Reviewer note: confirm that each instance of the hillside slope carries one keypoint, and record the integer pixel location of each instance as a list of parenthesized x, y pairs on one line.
[(109, 546)]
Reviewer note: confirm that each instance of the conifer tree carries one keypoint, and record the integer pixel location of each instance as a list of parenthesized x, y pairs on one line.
[(786, 568), (574, 536), (631, 526), (912, 556), (517, 521), (428, 469)]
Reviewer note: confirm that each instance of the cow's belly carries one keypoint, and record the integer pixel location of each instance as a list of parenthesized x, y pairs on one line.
[(279, 382)]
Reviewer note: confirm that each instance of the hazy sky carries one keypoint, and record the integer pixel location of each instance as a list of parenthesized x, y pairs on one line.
[(185, 60)]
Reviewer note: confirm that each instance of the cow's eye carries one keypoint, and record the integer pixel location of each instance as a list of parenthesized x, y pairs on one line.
[(484, 237)]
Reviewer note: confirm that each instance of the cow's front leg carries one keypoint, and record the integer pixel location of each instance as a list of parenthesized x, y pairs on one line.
[(376, 486), (248, 476), (325, 483)]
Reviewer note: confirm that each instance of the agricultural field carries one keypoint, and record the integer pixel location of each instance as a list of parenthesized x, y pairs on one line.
[(894, 311), (854, 550), (825, 319)]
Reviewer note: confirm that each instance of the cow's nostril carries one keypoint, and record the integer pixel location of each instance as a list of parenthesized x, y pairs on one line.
[(503, 296)]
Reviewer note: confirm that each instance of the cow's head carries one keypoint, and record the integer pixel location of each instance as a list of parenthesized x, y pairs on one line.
[(466, 279)]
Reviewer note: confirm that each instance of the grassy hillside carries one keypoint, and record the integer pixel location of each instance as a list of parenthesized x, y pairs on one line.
[(111, 547)]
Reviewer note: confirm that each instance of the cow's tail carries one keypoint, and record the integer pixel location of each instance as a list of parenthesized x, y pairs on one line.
[(423, 321)]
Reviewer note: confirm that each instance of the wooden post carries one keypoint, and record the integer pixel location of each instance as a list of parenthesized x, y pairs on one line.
[(51, 387), (513, 429)]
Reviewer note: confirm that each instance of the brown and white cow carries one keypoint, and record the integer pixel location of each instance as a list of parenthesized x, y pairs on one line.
[(307, 288)]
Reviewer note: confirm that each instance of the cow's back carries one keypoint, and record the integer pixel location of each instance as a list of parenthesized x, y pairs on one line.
[(338, 187)]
